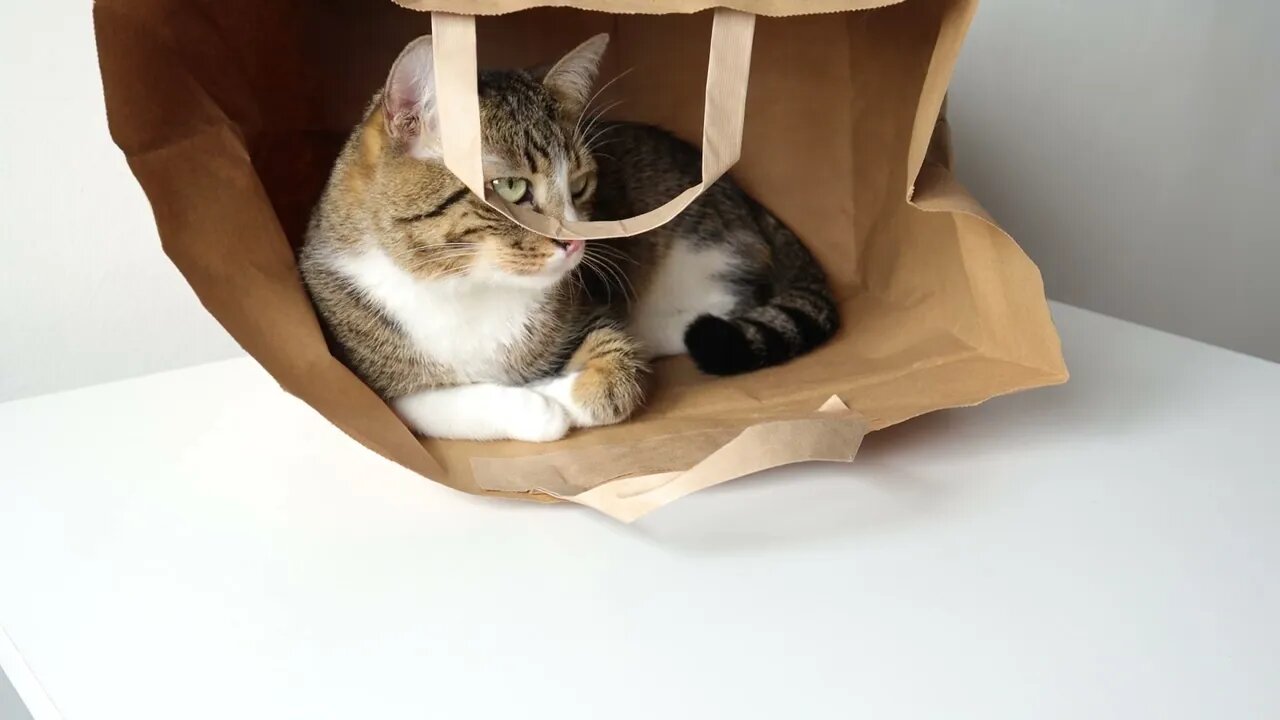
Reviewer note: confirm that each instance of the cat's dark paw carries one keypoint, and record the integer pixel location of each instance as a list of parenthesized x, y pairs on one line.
[(718, 347)]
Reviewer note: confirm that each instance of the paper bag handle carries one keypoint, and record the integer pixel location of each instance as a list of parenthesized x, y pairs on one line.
[(834, 434), (728, 72)]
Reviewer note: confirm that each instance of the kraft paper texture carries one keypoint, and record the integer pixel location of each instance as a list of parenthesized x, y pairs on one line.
[(231, 113)]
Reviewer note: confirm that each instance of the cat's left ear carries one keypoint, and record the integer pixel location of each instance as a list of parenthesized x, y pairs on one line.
[(572, 78), (409, 99)]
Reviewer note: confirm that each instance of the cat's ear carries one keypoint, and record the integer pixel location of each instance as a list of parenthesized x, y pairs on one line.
[(409, 98), (571, 79)]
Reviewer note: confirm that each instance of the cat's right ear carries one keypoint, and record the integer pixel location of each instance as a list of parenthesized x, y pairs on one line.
[(571, 78), (409, 100)]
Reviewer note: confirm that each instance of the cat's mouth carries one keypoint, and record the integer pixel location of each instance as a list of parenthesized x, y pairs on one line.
[(567, 255)]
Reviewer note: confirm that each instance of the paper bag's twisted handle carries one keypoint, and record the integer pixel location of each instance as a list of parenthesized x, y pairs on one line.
[(834, 435), (728, 72)]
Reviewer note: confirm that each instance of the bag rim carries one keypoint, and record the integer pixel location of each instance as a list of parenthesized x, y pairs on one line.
[(766, 8)]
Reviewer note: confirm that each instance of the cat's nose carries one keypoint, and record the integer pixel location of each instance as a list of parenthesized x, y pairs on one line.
[(570, 247)]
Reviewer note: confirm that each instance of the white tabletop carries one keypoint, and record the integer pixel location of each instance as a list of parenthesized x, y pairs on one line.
[(200, 545)]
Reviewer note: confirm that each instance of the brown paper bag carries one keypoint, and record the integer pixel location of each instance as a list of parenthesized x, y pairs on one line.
[(231, 111)]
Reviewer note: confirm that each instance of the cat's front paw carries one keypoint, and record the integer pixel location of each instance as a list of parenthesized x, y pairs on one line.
[(603, 383), (534, 418)]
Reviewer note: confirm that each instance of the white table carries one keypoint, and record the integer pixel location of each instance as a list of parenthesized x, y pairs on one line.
[(197, 544)]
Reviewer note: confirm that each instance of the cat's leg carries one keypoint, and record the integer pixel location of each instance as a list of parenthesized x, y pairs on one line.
[(484, 411), (601, 384)]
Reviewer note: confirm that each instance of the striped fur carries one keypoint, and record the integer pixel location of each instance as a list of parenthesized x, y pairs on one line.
[(474, 327), (781, 306)]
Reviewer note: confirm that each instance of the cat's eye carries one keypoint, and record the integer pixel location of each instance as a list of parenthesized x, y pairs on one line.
[(578, 185), (512, 189)]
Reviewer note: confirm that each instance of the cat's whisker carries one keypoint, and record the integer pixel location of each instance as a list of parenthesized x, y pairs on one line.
[(611, 255), (597, 117), (450, 274), (599, 114), (429, 257), (591, 132), (628, 290), (447, 265), (450, 255), (575, 279), (594, 146), (609, 84), (444, 267), (586, 108), (595, 266), (614, 252), (431, 254), (593, 143), (421, 249)]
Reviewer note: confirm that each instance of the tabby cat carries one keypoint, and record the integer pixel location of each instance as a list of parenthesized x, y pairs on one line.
[(473, 327)]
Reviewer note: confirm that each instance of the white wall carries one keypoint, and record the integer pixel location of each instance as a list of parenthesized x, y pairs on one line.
[(1133, 148), (86, 295)]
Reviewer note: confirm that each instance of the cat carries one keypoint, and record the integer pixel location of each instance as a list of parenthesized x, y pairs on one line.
[(474, 328)]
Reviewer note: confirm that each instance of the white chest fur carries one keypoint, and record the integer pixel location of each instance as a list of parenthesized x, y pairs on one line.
[(460, 322)]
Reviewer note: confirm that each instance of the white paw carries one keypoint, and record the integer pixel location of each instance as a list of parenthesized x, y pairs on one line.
[(560, 391), (534, 418)]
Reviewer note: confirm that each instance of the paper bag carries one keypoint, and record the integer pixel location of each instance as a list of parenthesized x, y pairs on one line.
[(231, 113)]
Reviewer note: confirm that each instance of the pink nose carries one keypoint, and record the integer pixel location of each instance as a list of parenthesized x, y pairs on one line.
[(572, 247)]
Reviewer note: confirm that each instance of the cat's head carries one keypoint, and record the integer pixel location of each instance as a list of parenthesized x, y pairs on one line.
[(534, 152)]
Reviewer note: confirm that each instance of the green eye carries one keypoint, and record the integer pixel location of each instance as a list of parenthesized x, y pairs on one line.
[(512, 189), (578, 186)]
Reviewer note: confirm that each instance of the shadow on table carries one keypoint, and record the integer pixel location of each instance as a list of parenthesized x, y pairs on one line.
[(900, 479), (809, 503)]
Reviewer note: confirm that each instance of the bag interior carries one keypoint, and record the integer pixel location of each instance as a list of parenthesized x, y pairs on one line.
[(844, 141)]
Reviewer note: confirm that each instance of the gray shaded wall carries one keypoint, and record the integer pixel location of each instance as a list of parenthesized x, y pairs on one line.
[(1133, 149)]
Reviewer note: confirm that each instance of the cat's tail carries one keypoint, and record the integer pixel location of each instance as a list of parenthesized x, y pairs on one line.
[(798, 316)]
